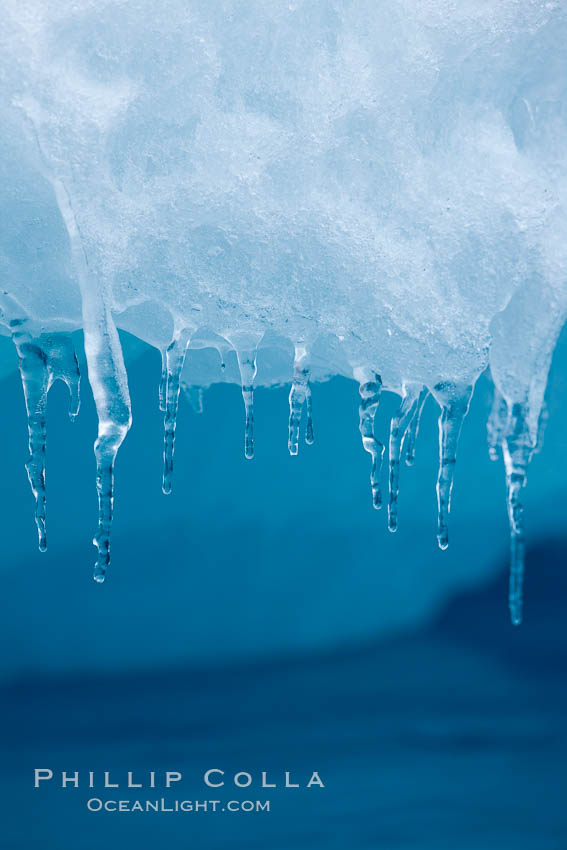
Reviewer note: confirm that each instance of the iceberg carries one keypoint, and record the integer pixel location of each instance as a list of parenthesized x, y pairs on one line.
[(340, 188)]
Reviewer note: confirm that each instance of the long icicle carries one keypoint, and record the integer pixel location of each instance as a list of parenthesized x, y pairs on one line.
[(42, 361), (413, 429), (370, 386), (247, 366), (107, 377), (454, 401), (174, 360), (298, 397), (517, 450), (497, 424), (398, 427)]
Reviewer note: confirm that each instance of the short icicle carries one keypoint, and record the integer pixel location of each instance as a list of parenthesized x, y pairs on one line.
[(174, 360), (399, 425), (35, 382), (298, 396), (370, 386), (517, 450), (497, 424), (63, 366), (107, 376), (42, 361), (454, 400), (413, 428), (309, 436), (247, 366)]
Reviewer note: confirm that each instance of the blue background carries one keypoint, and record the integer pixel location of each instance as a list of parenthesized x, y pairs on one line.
[(262, 618)]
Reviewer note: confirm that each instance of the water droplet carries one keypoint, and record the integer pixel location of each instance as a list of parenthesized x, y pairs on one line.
[(109, 383)]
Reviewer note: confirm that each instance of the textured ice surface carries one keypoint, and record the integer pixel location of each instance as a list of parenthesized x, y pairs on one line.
[(378, 188)]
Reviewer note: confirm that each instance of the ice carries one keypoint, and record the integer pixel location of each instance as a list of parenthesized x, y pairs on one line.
[(299, 396), (309, 433), (454, 401), (174, 358), (401, 422), (42, 361), (380, 188), (518, 450), (370, 387), (413, 427), (247, 365)]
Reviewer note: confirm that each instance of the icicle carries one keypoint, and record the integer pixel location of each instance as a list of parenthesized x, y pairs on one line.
[(309, 437), (174, 359), (247, 366), (63, 366), (298, 395), (497, 424), (454, 401), (163, 380), (107, 376), (42, 361), (35, 382), (517, 450), (398, 427), (370, 385), (108, 379), (221, 351), (413, 428)]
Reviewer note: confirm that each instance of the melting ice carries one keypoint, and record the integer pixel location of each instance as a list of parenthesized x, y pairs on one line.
[(379, 190)]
